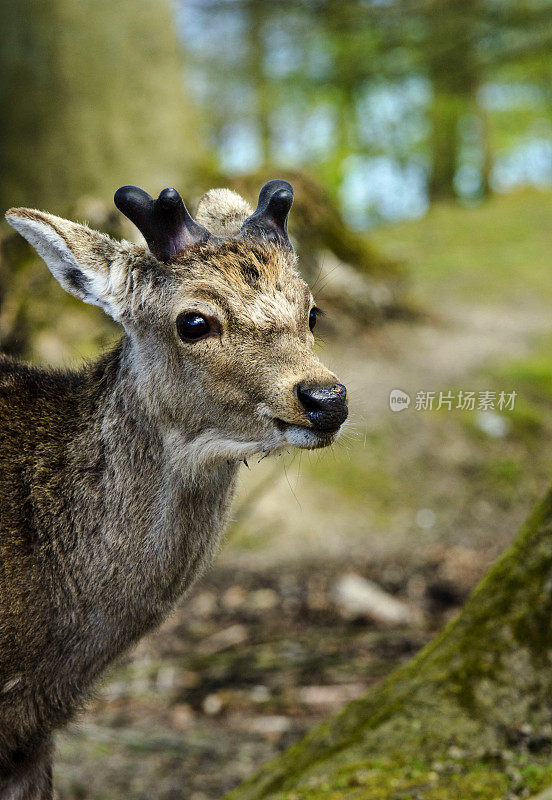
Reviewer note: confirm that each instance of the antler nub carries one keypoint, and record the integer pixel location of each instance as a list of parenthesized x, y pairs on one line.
[(165, 223), (269, 220)]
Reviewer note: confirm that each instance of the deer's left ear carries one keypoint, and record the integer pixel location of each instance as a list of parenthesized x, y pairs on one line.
[(86, 263)]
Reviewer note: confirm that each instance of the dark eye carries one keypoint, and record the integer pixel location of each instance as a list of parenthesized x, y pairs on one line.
[(314, 312), (192, 327)]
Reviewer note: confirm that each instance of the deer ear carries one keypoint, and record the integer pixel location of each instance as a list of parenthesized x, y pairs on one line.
[(86, 263)]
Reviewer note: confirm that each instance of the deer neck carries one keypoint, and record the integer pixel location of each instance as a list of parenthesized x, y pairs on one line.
[(153, 521)]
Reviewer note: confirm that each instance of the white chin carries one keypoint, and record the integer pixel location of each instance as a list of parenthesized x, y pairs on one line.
[(306, 439)]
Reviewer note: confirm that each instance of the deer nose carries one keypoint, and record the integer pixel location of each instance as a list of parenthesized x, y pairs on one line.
[(325, 406)]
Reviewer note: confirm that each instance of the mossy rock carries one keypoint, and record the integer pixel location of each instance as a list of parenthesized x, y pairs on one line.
[(470, 717)]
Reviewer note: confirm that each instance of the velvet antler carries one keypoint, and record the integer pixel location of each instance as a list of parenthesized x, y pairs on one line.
[(165, 223), (269, 221)]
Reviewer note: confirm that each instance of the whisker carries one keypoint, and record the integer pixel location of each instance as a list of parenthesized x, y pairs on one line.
[(291, 488)]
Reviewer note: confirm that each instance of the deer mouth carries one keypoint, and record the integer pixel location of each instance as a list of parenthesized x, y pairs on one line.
[(307, 438)]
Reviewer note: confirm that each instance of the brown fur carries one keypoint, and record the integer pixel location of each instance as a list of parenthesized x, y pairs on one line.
[(116, 480), (222, 212)]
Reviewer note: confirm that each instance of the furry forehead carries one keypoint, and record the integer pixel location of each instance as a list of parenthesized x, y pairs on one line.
[(244, 265), (223, 213)]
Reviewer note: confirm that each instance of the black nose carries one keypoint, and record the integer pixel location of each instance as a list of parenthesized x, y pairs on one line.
[(325, 406)]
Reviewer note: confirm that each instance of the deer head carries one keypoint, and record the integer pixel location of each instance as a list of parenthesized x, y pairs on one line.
[(218, 319)]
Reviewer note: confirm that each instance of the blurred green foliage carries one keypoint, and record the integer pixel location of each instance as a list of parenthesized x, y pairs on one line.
[(392, 104)]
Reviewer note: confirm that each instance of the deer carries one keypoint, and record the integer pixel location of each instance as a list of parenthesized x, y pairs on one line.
[(117, 478)]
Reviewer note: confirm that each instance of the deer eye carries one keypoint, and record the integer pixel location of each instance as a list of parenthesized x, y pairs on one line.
[(313, 315), (192, 326)]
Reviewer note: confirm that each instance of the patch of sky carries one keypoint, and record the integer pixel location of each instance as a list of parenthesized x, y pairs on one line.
[(291, 48), (319, 61), (468, 180), (307, 136), (219, 31), (529, 162), (496, 96), (392, 117), (240, 147), (283, 49), (376, 188)]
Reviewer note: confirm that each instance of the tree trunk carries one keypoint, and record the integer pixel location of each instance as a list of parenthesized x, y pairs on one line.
[(470, 717), (263, 99), (92, 94), (454, 72), (446, 112)]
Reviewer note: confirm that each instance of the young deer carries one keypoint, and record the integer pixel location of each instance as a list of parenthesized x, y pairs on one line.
[(116, 479)]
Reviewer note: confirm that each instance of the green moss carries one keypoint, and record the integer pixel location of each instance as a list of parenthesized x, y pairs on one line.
[(399, 779)]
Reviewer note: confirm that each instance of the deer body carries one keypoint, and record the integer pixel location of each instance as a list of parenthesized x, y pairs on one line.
[(116, 480), (92, 465)]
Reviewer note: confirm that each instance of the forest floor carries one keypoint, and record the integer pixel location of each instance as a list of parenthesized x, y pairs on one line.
[(420, 501)]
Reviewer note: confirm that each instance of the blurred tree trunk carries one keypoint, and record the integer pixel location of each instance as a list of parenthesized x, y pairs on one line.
[(469, 718), (257, 12), (446, 111), (92, 97), (486, 154), (453, 69)]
